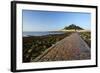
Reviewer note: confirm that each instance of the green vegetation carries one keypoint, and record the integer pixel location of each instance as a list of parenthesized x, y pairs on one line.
[(86, 37), (72, 26), (33, 46)]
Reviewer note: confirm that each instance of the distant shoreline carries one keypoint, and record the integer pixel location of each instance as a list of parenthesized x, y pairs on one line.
[(46, 33), (39, 33), (75, 31)]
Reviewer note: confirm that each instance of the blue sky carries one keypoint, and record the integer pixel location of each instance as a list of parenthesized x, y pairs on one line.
[(53, 21)]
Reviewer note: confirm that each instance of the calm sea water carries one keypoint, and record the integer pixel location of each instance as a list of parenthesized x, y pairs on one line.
[(26, 34)]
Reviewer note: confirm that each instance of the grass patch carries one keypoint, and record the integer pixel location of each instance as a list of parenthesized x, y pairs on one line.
[(33, 46), (86, 37)]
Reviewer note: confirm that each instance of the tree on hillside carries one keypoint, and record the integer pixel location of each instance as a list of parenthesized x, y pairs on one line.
[(73, 26)]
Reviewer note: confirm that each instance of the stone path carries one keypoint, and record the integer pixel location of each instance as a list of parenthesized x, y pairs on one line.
[(69, 48)]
